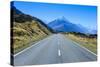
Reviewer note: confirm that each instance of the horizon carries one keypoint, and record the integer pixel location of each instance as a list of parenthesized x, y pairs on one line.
[(47, 12)]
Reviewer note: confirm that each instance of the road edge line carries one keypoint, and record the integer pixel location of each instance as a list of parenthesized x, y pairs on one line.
[(24, 50), (28, 47), (85, 48)]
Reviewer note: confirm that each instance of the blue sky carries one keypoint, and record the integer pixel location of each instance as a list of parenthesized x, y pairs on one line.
[(78, 14)]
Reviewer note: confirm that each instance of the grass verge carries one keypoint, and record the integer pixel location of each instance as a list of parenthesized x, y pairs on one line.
[(89, 43)]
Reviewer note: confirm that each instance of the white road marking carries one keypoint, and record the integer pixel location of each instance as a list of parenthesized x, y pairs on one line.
[(85, 48), (28, 48), (59, 53), (24, 50)]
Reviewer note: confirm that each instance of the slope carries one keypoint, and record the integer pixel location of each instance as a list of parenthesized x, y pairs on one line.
[(25, 30)]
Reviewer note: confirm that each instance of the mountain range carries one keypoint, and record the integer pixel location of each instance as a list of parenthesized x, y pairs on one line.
[(63, 25)]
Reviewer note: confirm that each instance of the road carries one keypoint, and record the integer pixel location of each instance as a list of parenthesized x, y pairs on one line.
[(54, 49)]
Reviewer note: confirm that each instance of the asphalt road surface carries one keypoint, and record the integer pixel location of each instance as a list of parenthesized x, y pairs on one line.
[(54, 49)]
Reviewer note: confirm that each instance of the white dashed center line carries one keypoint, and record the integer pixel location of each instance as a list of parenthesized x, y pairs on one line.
[(59, 53)]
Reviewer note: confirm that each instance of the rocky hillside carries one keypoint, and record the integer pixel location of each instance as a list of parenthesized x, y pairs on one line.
[(26, 30)]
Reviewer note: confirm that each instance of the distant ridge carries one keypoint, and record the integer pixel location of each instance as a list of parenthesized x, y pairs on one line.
[(63, 25)]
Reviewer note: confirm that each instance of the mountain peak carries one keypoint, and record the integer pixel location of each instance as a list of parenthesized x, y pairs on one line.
[(62, 19), (63, 25)]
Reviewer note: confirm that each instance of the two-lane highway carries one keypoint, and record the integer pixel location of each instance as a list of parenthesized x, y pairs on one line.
[(54, 49)]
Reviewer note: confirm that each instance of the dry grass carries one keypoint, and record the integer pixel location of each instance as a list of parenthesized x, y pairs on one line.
[(89, 43), (26, 33)]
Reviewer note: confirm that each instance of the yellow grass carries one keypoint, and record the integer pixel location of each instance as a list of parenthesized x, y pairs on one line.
[(89, 43), (26, 33)]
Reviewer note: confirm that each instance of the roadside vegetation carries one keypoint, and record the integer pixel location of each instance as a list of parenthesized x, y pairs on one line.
[(26, 33), (26, 30), (88, 41)]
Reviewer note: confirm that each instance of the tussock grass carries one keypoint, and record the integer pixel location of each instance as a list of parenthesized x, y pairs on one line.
[(26, 30), (89, 43), (26, 33)]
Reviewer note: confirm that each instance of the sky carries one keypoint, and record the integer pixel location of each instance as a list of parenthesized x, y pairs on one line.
[(47, 12)]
